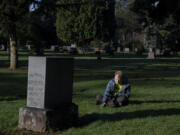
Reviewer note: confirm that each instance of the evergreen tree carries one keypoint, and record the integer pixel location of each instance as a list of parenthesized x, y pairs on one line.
[(83, 20)]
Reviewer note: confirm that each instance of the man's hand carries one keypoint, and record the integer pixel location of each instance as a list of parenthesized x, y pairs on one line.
[(116, 94), (103, 105)]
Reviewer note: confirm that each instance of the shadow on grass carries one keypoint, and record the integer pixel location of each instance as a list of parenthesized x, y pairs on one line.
[(136, 102), (5, 63), (90, 118), (12, 86)]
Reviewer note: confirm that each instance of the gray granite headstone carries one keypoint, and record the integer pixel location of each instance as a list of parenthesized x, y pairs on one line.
[(96, 49), (50, 82), (80, 51), (52, 48), (151, 55), (2, 47), (135, 50), (150, 50), (158, 52), (118, 49), (126, 50), (28, 47), (73, 45)]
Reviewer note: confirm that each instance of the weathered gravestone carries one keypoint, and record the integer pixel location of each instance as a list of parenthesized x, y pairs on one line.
[(136, 50), (80, 51), (54, 48), (96, 49), (2, 47), (29, 47), (151, 54), (49, 95), (126, 50), (157, 52), (118, 49)]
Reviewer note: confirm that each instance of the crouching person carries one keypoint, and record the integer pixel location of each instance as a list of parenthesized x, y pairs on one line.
[(117, 92)]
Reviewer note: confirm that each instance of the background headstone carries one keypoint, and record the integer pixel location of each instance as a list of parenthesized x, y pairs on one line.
[(80, 51), (73, 45), (126, 50), (54, 48), (157, 52), (28, 47), (118, 49), (96, 49), (135, 50), (2, 47), (151, 55), (150, 50)]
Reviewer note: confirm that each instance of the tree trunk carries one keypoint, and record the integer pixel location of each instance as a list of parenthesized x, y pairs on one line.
[(13, 53)]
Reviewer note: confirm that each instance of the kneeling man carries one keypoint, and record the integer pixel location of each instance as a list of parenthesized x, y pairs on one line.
[(117, 92)]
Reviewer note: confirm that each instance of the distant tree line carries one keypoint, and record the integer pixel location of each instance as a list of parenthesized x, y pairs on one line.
[(45, 22), (154, 20), (36, 22)]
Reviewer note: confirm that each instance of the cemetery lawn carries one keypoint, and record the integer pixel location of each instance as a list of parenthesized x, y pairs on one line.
[(154, 107)]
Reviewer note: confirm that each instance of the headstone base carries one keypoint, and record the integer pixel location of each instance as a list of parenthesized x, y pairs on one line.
[(41, 120)]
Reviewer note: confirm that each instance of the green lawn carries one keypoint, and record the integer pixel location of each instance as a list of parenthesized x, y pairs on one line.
[(154, 108)]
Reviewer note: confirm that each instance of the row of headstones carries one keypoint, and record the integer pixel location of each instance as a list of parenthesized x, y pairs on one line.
[(127, 50), (56, 48), (49, 95), (79, 50), (26, 47), (119, 49), (153, 52)]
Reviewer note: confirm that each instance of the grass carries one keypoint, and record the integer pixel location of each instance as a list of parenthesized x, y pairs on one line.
[(154, 108)]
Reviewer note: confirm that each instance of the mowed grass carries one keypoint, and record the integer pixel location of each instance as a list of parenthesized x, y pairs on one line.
[(154, 107)]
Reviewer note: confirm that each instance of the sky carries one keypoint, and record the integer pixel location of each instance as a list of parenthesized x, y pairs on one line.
[(33, 7)]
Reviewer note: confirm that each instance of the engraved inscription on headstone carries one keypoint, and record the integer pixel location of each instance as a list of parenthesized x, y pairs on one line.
[(50, 82), (36, 82)]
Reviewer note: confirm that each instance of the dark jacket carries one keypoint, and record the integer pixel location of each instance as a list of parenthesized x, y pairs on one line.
[(126, 90)]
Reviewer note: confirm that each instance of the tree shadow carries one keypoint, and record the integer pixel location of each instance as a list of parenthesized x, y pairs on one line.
[(90, 118), (5, 63), (12, 86), (137, 102)]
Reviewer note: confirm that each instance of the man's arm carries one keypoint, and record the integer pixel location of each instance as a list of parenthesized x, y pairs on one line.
[(107, 91)]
